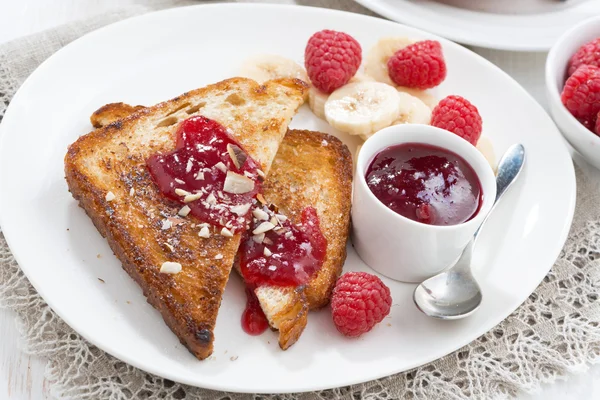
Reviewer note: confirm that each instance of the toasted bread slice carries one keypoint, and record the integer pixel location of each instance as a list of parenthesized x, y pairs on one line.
[(106, 172), (310, 169)]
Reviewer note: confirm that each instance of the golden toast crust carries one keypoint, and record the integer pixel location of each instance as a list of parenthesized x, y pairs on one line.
[(112, 159)]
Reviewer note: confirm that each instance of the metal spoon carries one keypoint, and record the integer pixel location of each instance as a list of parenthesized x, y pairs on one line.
[(454, 293)]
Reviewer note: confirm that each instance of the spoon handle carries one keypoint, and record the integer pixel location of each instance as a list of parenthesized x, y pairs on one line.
[(509, 168)]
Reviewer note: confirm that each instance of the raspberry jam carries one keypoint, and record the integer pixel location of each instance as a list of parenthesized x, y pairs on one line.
[(209, 172), (285, 254), (254, 321), (425, 183)]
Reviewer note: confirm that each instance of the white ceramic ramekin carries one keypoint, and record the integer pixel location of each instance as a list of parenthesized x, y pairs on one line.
[(582, 139), (398, 247)]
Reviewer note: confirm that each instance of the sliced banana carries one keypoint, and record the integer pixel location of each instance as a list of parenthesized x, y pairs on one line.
[(361, 77), (316, 101), (265, 67), (380, 53), (363, 108), (484, 145), (413, 110), (423, 95)]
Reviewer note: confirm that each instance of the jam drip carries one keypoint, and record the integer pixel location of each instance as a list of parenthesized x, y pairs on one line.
[(425, 183), (209, 172), (254, 321), (285, 254)]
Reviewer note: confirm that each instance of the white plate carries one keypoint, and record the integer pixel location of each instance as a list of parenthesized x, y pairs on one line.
[(157, 56), (524, 32)]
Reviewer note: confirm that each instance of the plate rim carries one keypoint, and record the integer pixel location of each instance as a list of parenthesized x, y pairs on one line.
[(165, 374)]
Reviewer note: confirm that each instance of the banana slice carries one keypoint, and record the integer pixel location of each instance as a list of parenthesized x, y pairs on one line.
[(380, 53), (413, 110), (361, 77), (484, 145), (363, 108), (316, 101), (265, 67), (423, 95)]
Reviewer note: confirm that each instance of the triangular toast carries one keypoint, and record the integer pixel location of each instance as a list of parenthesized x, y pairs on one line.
[(310, 169), (112, 160)]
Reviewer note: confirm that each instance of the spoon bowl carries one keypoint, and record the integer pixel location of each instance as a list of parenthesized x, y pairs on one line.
[(454, 293)]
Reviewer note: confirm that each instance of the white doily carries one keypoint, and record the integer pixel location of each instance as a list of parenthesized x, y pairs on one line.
[(556, 331)]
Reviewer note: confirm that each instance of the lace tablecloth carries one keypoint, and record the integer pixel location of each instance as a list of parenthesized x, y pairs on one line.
[(556, 331)]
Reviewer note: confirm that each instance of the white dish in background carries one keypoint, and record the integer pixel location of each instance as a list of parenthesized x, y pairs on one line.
[(525, 32), (581, 138), (160, 55)]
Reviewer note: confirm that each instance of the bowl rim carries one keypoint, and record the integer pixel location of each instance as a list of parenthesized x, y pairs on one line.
[(553, 92), (489, 192)]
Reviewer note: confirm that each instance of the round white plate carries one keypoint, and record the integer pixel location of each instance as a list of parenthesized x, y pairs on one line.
[(523, 32), (157, 56)]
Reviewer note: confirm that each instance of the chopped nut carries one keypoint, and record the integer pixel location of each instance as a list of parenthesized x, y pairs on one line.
[(211, 199), (248, 174), (192, 197), (260, 198), (220, 166), (258, 238), (179, 181), (268, 241), (132, 191), (233, 358), (281, 217), (272, 268), (204, 232), (263, 227), (181, 192), (226, 232), (274, 220), (167, 224), (260, 215), (169, 267), (288, 234), (219, 256), (169, 247), (241, 209), (260, 173), (110, 196), (237, 184), (185, 210), (199, 176), (267, 252), (189, 165), (237, 155)]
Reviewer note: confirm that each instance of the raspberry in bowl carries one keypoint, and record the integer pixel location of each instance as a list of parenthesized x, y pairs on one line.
[(430, 192), (573, 87)]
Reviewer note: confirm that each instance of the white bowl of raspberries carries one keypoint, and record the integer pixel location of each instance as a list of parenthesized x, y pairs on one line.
[(573, 87)]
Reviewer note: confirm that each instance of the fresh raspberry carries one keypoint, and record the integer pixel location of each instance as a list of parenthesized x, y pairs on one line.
[(420, 65), (581, 94), (588, 54), (359, 302), (457, 115), (331, 59)]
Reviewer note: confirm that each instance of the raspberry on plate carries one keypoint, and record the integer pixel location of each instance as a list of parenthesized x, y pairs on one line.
[(331, 59), (588, 54), (420, 65), (457, 115), (359, 302), (581, 95)]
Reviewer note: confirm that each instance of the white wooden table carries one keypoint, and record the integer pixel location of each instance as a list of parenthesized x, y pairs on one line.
[(21, 376)]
